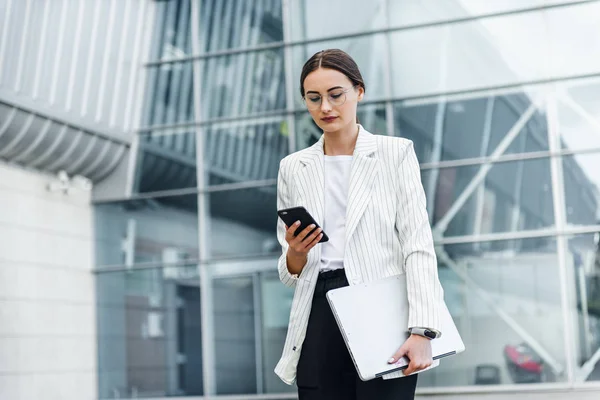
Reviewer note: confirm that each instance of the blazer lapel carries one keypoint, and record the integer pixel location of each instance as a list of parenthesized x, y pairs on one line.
[(363, 171)]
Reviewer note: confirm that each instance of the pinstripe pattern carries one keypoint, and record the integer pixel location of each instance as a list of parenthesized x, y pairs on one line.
[(387, 231)]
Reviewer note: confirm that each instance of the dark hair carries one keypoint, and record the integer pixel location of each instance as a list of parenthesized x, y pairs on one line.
[(335, 59)]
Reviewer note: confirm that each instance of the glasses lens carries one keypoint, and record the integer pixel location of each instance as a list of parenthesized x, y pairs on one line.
[(337, 97), (312, 101)]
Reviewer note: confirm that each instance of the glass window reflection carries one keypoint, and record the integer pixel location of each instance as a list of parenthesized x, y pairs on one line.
[(582, 189), (469, 55), (250, 309), (149, 332), (166, 160), (312, 19), (234, 24), (583, 257), (508, 312), (471, 127), (511, 197), (163, 229), (411, 12), (173, 31), (245, 151), (243, 222), (169, 94), (578, 106), (243, 84)]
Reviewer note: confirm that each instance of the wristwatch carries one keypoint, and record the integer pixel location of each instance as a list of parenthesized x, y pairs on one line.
[(428, 333)]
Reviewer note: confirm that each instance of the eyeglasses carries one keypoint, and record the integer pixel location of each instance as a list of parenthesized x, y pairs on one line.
[(336, 97)]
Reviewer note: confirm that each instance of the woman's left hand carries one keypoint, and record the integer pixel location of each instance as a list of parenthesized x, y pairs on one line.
[(418, 351)]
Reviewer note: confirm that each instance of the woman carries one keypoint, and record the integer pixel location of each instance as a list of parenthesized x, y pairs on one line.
[(366, 193)]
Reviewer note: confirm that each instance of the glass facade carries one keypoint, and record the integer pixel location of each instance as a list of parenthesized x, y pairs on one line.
[(501, 101)]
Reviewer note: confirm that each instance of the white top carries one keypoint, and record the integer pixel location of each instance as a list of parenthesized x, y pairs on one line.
[(337, 182)]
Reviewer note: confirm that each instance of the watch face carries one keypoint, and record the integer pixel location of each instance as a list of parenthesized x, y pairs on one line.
[(430, 334)]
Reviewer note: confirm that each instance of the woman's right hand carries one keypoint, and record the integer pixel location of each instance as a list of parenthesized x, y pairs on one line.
[(300, 245)]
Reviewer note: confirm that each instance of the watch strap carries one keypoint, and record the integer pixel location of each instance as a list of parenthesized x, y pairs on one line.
[(426, 332)]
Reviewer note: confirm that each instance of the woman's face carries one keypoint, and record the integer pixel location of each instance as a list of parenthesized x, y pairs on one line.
[(324, 90)]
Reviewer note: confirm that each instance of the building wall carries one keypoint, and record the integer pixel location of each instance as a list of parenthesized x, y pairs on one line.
[(47, 297)]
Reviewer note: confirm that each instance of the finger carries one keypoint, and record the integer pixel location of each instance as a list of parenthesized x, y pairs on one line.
[(413, 366), (289, 233), (305, 232), (314, 241), (398, 355), (311, 238), (309, 231), (416, 366), (292, 229)]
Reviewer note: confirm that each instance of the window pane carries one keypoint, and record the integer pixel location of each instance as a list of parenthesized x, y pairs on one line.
[(149, 333), (573, 39), (233, 24), (245, 151), (502, 50), (169, 94), (410, 12), (469, 55), (243, 84), (235, 335), (166, 160), (162, 230), (251, 311), (276, 304), (372, 117), (469, 128), (512, 197), (172, 30), (515, 288), (582, 183), (583, 258), (314, 19), (243, 222), (368, 53), (578, 110)]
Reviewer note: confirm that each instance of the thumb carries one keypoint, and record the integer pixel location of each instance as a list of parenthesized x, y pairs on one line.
[(398, 355)]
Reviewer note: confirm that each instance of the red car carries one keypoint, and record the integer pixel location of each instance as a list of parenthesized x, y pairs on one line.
[(523, 364)]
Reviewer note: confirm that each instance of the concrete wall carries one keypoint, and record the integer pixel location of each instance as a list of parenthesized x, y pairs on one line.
[(47, 296)]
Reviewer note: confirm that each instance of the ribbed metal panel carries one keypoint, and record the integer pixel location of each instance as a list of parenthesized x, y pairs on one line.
[(43, 143), (69, 73)]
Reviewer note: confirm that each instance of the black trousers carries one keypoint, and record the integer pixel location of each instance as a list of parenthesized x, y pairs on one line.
[(325, 369)]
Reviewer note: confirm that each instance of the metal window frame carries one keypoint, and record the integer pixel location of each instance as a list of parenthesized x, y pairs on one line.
[(560, 219)]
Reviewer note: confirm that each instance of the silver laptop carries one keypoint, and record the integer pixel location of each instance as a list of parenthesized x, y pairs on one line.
[(373, 319)]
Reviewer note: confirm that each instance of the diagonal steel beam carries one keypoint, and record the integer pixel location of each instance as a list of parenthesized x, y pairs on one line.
[(556, 366), (587, 368), (442, 224)]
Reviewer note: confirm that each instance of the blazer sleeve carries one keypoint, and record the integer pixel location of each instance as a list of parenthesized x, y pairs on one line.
[(425, 293), (283, 201)]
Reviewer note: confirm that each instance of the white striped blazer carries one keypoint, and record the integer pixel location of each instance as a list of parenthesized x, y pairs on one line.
[(387, 231)]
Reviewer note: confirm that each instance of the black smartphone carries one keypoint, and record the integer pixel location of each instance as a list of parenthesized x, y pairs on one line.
[(291, 215)]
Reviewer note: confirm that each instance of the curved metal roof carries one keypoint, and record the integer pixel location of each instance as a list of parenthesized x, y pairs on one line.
[(39, 141)]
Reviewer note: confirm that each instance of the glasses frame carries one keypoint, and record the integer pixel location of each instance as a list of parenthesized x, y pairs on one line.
[(316, 106)]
